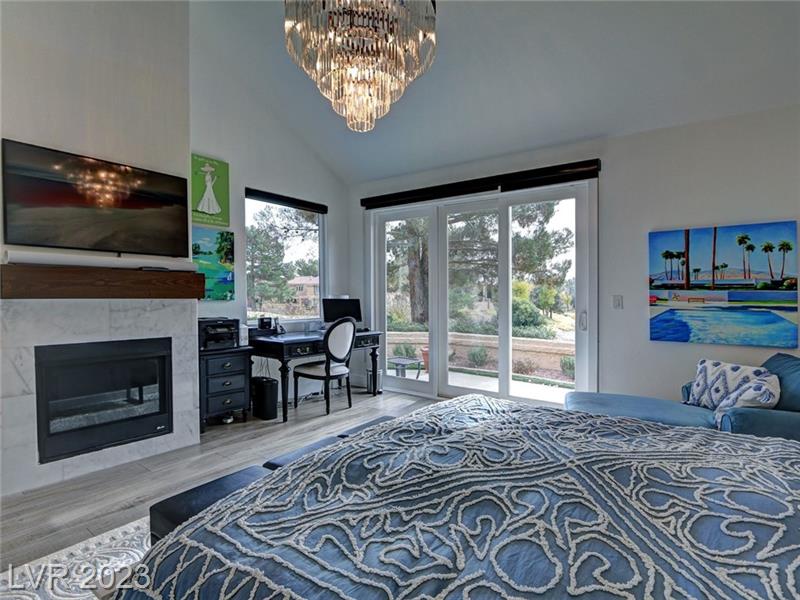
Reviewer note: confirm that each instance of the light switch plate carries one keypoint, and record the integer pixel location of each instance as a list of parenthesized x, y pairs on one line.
[(616, 302)]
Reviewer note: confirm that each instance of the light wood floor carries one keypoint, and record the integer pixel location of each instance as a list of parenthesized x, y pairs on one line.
[(36, 523)]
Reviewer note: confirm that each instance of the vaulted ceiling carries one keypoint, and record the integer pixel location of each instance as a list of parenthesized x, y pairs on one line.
[(513, 76)]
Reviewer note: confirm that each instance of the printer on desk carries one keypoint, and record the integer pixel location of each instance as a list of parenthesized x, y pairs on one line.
[(216, 333)]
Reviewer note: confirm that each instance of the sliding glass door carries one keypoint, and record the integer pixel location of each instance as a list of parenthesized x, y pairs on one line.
[(496, 295), (472, 291), (405, 300), (543, 298)]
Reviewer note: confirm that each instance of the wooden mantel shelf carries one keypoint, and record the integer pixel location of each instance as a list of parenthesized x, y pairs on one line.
[(22, 282)]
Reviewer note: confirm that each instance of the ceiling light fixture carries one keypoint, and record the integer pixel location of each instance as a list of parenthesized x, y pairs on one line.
[(362, 54)]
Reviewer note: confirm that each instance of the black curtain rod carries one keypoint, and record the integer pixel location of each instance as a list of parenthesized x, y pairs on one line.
[(519, 180), (254, 194)]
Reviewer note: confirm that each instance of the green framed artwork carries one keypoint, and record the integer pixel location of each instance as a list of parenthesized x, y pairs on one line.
[(212, 252), (210, 191)]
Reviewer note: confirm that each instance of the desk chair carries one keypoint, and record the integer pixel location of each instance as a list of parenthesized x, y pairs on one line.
[(338, 345)]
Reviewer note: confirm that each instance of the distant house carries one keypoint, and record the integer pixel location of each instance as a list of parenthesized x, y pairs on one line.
[(305, 288)]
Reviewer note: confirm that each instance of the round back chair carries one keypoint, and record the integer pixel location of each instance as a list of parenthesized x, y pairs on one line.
[(338, 345)]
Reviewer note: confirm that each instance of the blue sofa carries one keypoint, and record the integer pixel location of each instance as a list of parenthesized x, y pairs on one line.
[(781, 421)]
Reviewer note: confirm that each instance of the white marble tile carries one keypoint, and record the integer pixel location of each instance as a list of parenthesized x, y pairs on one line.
[(21, 470), (17, 372), (184, 392), (27, 323), (19, 417), (184, 354), (118, 455), (132, 319), (44, 322), (186, 425)]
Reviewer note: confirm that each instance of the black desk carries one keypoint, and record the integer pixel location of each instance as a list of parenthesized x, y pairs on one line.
[(289, 346)]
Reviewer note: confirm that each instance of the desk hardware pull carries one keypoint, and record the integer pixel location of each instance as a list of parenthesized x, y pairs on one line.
[(227, 401), (227, 365), (227, 383)]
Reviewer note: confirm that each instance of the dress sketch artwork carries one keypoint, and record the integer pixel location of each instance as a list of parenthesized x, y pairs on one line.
[(208, 203), (210, 188)]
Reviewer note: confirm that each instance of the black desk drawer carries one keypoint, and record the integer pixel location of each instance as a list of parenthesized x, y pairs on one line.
[(227, 383), (227, 364), (306, 349), (226, 402), (364, 341)]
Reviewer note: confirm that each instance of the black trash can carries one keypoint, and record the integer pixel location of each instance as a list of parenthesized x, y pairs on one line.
[(264, 393)]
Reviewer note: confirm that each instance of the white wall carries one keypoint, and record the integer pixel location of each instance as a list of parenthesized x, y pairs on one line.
[(123, 81), (734, 170), (231, 119), (109, 80)]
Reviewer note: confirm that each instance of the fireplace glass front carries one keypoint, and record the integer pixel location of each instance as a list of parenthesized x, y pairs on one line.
[(95, 395)]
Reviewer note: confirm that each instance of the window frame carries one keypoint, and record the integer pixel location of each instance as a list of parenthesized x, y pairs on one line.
[(322, 259), (584, 191)]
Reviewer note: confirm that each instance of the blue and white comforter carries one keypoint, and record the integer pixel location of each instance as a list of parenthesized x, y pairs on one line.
[(481, 498)]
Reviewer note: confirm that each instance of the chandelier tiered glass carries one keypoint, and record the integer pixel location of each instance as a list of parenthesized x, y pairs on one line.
[(362, 54)]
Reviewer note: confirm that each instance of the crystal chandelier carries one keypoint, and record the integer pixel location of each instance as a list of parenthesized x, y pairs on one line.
[(362, 54)]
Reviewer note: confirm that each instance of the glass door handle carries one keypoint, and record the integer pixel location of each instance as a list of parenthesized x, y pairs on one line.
[(583, 321)]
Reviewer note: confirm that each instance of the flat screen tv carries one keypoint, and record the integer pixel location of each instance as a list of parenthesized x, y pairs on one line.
[(55, 199)]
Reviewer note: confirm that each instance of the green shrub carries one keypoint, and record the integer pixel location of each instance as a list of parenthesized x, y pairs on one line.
[(397, 314), (524, 366), (525, 314), (403, 325), (477, 357), (765, 285), (464, 324), (790, 284), (568, 366), (540, 332), (405, 350)]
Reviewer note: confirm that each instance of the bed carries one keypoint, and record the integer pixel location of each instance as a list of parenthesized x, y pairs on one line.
[(484, 498)]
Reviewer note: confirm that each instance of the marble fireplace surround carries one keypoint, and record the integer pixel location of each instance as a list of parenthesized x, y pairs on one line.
[(25, 324)]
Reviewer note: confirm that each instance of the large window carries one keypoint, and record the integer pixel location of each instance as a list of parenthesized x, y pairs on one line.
[(283, 261)]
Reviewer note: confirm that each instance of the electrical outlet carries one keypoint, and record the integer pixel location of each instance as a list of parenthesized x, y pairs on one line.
[(616, 302)]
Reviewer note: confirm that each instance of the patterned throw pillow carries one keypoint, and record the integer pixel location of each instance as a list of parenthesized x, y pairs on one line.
[(718, 383), (762, 392)]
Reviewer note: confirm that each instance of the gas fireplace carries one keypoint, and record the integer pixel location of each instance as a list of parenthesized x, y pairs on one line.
[(95, 395)]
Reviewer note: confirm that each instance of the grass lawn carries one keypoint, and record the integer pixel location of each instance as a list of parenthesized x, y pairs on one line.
[(565, 322)]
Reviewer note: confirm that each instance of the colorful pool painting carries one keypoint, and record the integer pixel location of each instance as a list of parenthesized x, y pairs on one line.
[(212, 251), (732, 284)]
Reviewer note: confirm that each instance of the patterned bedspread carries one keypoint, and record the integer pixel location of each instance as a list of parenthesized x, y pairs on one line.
[(481, 498)]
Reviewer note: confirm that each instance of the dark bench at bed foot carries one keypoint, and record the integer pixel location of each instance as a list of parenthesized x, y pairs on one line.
[(290, 457), (359, 428), (168, 514)]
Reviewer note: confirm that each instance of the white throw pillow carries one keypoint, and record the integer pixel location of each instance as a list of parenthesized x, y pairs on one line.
[(717, 382)]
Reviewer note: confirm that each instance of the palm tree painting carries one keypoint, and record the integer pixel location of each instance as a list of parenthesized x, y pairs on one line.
[(714, 267), (667, 256), (768, 248), (721, 285), (749, 249), (784, 247), (742, 240)]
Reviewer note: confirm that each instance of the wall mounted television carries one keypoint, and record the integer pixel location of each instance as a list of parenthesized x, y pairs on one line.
[(55, 199)]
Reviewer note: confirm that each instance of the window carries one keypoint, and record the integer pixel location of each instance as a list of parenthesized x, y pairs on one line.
[(283, 261)]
